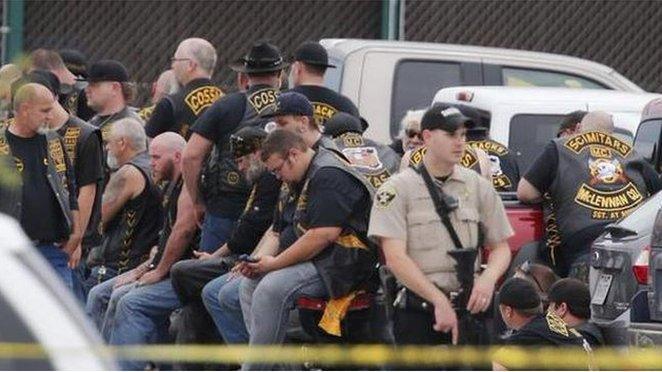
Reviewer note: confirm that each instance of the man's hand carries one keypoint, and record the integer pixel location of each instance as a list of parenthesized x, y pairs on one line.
[(70, 246), (201, 255), (445, 319), (199, 213), (127, 278), (74, 258), (264, 265), (481, 294), (151, 277)]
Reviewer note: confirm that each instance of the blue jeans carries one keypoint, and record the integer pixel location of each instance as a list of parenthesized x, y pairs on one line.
[(221, 298), (58, 260), (267, 303), (141, 316), (97, 302), (215, 232)]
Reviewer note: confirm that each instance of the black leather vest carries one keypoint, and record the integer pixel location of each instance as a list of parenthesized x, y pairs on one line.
[(132, 233), (505, 172), (189, 103), (350, 260)]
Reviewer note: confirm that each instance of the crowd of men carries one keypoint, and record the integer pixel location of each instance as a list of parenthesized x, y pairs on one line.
[(208, 216)]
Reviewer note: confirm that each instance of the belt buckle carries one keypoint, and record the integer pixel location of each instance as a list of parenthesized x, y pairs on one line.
[(102, 270)]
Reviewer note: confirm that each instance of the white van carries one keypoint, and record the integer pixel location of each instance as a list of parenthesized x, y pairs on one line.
[(385, 78), (526, 119), (36, 308)]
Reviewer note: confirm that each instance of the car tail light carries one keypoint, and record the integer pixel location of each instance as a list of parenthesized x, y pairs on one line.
[(464, 96), (640, 267)]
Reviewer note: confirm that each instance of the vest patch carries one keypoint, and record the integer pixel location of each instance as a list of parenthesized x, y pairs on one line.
[(146, 113), (57, 154), (262, 99), (363, 157), (201, 98), (556, 324), (579, 142), (609, 205), (323, 112), (233, 178), (469, 158), (352, 140), (70, 139), (489, 147)]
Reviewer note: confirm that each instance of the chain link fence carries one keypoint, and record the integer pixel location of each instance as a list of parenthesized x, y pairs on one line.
[(623, 34), (144, 34)]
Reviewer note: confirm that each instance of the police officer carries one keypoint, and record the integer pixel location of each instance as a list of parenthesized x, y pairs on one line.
[(193, 65), (375, 161), (223, 193), (415, 242), (47, 209), (521, 310), (307, 77), (593, 179)]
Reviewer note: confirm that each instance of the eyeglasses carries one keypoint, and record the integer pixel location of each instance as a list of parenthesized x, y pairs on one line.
[(412, 133), (276, 171), (174, 59)]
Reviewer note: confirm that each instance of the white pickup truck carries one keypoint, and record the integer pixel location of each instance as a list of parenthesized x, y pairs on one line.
[(387, 78)]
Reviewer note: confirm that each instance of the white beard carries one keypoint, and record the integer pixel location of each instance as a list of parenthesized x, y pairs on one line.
[(112, 161), (44, 129)]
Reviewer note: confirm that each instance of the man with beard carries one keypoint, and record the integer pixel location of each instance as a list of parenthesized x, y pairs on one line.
[(47, 209), (189, 277), (130, 210)]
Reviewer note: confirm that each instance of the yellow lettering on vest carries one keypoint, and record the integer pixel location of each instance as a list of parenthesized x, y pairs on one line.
[(262, 99), (323, 112), (490, 147), (201, 98), (592, 139), (612, 201)]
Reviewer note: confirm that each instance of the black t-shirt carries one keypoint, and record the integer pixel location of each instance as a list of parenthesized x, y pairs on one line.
[(257, 216), (41, 216), (334, 198), (326, 102), (191, 102), (221, 119), (88, 166)]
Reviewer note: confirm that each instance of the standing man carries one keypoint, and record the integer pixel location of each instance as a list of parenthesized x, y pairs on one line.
[(108, 93), (504, 168), (222, 193), (593, 179), (192, 65), (48, 209), (164, 85), (131, 206), (416, 243), (307, 77)]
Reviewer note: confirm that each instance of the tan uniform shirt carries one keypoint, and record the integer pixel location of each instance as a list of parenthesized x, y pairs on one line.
[(403, 209)]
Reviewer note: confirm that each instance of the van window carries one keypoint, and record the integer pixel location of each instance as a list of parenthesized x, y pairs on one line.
[(647, 141), (529, 134), (520, 77), (416, 82)]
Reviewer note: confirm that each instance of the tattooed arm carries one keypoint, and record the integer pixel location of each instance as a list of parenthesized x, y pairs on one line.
[(125, 184)]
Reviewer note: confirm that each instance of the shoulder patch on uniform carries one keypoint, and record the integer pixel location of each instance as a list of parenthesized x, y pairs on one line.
[(385, 196)]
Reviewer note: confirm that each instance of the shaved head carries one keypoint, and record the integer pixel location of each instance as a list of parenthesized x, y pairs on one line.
[(30, 93), (170, 141), (597, 121), (165, 153), (201, 51)]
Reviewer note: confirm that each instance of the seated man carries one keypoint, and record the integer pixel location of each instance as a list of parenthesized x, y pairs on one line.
[(331, 256), (570, 300), (130, 208), (521, 310)]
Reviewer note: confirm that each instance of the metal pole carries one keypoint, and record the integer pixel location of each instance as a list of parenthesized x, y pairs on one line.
[(401, 21), (4, 29), (15, 8), (390, 19)]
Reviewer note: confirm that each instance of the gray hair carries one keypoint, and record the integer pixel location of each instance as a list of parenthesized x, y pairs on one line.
[(412, 119), (597, 121), (168, 81), (202, 52), (132, 130)]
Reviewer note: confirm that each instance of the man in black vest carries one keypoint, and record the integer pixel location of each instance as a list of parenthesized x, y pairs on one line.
[(48, 208), (193, 65), (221, 193), (307, 77), (131, 207), (504, 168), (165, 84), (330, 255), (593, 179)]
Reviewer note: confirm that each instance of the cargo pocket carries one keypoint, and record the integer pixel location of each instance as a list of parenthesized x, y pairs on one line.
[(468, 227)]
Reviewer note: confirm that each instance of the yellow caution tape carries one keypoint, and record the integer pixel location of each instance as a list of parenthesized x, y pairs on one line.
[(368, 355)]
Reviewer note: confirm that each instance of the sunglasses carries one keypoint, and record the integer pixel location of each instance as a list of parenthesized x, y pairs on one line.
[(410, 133)]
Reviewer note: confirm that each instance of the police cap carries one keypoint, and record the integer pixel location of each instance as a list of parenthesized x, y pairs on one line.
[(263, 57), (312, 53), (341, 123), (108, 70), (520, 294), (246, 140), (441, 116), (291, 103)]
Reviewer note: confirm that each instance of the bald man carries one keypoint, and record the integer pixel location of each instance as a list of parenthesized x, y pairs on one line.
[(165, 84), (47, 208), (192, 65), (143, 298), (593, 179)]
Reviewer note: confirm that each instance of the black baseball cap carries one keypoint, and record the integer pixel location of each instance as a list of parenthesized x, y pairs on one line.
[(263, 57), (246, 140), (444, 117), (312, 53), (291, 103), (520, 294), (107, 70), (341, 123), (75, 61)]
